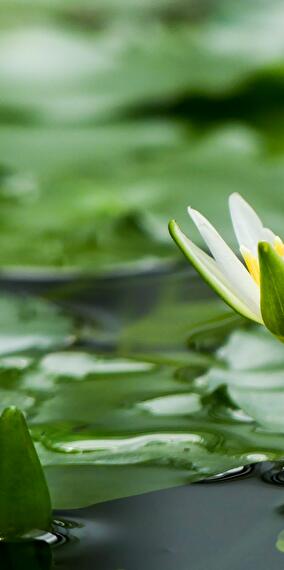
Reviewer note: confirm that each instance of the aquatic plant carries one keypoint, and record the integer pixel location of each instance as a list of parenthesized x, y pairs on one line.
[(25, 504), (256, 291)]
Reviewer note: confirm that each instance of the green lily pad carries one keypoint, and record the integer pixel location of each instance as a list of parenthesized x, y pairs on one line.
[(84, 189), (158, 421), (119, 215), (253, 374), (82, 76), (29, 324), (107, 426), (174, 324)]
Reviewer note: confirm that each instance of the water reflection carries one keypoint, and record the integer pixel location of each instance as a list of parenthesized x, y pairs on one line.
[(272, 473), (280, 541), (26, 555), (234, 473)]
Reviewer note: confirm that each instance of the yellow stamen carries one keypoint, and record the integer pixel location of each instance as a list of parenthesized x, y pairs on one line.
[(279, 246), (251, 263)]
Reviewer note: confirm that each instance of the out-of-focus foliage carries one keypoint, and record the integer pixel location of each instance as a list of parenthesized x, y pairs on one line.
[(115, 116)]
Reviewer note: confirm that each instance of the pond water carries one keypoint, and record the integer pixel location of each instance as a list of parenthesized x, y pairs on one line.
[(162, 387), (234, 522)]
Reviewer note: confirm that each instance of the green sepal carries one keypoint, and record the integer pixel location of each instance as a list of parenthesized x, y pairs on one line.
[(24, 497), (211, 274), (271, 289)]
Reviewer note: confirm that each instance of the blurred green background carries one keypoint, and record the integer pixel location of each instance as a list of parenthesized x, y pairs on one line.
[(117, 114)]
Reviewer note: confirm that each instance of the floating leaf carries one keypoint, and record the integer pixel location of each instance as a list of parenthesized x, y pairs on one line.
[(111, 426), (254, 377), (172, 323), (119, 215), (81, 76), (28, 324), (155, 421), (82, 189)]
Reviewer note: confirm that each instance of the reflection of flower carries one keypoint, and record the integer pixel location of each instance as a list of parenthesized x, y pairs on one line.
[(280, 541), (255, 291)]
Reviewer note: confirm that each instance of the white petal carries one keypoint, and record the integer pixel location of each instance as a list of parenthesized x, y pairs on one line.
[(237, 275), (210, 272), (248, 227)]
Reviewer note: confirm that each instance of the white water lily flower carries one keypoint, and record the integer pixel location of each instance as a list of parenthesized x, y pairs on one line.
[(256, 289)]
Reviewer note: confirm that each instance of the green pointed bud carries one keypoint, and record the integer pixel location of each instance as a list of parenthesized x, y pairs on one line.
[(271, 289), (24, 497)]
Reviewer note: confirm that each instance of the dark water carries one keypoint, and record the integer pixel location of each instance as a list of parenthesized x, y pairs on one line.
[(113, 298), (225, 524)]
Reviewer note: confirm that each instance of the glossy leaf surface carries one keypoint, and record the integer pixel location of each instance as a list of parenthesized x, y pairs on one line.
[(272, 289)]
